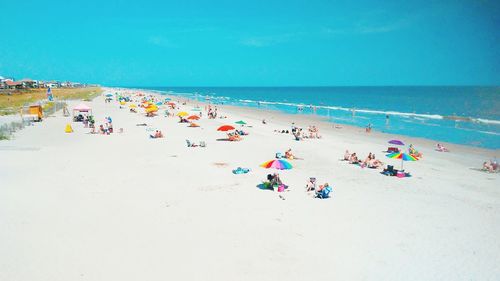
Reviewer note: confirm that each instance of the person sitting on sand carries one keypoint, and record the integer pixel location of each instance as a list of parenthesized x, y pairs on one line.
[(101, 130), (311, 184), (347, 155), (264, 121), (321, 187), (413, 152), (375, 163), (488, 166), (275, 180), (441, 148), (353, 159), (289, 155), (367, 160)]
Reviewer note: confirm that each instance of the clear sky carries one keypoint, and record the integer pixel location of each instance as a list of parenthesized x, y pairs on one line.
[(252, 43)]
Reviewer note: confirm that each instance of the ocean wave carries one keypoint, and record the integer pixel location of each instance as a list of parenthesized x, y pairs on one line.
[(418, 116)]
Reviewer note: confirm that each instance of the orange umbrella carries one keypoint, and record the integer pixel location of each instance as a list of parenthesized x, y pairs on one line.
[(225, 128), (193, 125), (194, 117)]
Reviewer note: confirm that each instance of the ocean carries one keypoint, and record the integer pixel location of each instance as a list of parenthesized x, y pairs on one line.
[(461, 115)]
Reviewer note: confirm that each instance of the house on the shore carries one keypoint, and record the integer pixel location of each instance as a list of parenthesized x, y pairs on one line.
[(15, 84), (3, 80), (29, 83)]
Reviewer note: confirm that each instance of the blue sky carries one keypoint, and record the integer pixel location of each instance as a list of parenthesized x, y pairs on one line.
[(253, 43)]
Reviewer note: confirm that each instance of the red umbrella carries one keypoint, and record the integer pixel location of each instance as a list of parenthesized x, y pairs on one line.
[(193, 117), (225, 128)]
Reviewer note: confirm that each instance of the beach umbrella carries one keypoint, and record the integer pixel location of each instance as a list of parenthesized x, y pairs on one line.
[(167, 99), (277, 164), (182, 114), (132, 106), (196, 109), (403, 156), (194, 117), (159, 103), (241, 122), (171, 103), (396, 142), (109, 95), (226, 128)]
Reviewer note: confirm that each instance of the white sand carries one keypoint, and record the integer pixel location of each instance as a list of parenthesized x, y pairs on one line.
[(125, 207)]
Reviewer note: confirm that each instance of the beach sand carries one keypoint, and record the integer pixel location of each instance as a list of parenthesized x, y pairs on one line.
[(126, 207)]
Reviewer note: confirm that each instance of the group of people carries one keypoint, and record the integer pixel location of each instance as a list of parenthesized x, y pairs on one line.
[(106, 128), (323, 191), (370, 161), (491, 166), (299, 134), (212, 112)]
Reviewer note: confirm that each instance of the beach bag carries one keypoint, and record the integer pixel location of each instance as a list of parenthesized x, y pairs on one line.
[(281, 188), (279, 155)]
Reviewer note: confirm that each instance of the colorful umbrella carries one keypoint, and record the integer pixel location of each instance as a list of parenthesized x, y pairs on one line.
[(182, 114), (403, 156), (225, 128), (396, 142), (241, 122), (167, 99), (277, 164), (194, 117)]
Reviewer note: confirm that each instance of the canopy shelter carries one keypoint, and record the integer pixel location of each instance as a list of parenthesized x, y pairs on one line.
[(82, 108)]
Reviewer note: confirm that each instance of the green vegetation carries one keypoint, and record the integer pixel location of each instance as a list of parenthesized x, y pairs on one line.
[(12, 100)]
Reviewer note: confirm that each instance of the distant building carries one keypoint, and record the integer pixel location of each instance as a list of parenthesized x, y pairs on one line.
[(29, 83), (15, 84)]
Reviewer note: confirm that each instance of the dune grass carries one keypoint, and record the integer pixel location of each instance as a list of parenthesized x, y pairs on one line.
[(12, 100)]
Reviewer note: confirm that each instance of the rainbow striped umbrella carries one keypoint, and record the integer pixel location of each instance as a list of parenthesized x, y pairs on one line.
[(403, 156), (277, 164)]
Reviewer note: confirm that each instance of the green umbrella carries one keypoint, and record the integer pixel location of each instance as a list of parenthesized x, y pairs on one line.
[(196, 109), (241, 122)]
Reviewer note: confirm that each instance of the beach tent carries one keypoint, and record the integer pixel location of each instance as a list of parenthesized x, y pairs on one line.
[(68, 128), (82, 108)]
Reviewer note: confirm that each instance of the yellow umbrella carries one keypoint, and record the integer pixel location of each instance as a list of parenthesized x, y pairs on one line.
[(132, 106), (122, 103), (151, 109), (182, 114)]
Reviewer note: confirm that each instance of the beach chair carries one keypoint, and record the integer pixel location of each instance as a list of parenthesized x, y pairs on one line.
[(324, 193), (203, 144)]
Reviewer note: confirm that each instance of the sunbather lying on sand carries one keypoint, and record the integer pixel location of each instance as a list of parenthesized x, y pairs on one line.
[(289, 155), (441, 148), (157, 135)]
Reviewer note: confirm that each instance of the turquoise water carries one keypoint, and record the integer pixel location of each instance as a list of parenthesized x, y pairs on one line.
[(462, 115)]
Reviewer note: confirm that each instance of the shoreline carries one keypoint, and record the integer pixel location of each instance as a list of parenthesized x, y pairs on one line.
[(310, 119), (321, 117)]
